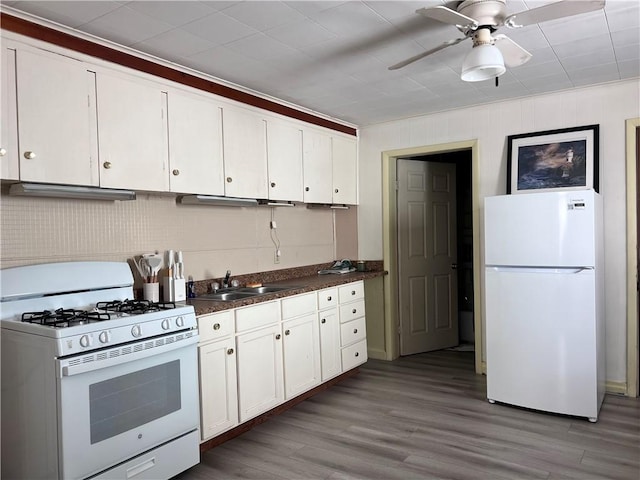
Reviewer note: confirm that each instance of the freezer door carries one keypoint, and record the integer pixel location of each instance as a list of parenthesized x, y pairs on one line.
[(552, 229), (541, 339)]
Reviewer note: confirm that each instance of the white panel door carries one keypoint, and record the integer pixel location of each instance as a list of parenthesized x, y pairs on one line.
[(330, 343), (541, 339), (345, 170), (284, 157), (56, 111), (317, 167), (301, 355), (195, 144), (132, 128), (245, 153)]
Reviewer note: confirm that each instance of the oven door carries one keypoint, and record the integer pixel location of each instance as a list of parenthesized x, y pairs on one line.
[(117, 403)]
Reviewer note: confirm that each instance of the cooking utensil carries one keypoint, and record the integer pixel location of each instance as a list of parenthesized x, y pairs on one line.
[(155, 264)]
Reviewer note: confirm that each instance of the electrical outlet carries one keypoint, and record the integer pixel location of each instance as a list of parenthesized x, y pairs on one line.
[(272, 224)]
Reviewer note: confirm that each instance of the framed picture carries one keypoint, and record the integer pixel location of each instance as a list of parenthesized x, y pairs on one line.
[(565, 159)]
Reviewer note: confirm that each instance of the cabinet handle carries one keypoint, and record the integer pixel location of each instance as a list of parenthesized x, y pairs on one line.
[(176, 172), (273, 184), (357, 354), (29, 155), (278, 336), (216, 326), (355, 330), (306, 189), (3, 152), (353, 311), (353, 292), (229, 179), (287, 332), (329, 299), (336, 190), (106, 165), (324, 320), (230, 351)]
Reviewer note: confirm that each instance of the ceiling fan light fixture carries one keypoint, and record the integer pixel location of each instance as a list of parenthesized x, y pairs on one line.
[(483, 62)]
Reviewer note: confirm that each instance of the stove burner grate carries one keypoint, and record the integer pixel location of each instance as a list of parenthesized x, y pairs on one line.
[(134, 307), (64, 317)]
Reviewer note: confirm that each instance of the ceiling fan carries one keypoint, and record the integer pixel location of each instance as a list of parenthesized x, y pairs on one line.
[(479, 19)]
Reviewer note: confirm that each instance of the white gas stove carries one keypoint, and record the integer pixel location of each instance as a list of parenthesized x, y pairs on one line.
[(94, 383)]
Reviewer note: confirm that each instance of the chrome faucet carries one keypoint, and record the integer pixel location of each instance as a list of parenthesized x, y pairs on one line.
[(225, 282)]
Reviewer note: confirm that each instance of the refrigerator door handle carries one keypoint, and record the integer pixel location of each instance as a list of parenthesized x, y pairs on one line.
[(545, 270)]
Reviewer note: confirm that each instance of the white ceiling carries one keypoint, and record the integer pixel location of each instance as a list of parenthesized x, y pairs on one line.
[(332, 56)]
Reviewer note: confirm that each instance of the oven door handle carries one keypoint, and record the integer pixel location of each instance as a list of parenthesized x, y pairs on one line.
[(92, 361)]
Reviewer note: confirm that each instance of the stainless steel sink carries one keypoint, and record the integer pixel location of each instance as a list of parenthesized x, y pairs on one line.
[(240, 293)]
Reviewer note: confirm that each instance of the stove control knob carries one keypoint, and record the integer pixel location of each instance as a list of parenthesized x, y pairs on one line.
[(104, 337), (86, 341), (180, 322), (135, 331), (166, 325)]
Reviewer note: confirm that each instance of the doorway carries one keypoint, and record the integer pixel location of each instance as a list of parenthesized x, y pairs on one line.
[(435, 252), (390, 242)]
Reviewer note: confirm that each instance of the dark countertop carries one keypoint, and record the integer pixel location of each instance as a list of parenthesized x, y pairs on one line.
[(299, 285)]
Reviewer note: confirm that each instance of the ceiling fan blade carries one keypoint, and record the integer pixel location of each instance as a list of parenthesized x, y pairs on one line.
[(552, 11), (428, 52), (514, 55), (446, 15)]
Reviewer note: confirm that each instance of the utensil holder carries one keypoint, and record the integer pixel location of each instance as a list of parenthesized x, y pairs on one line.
[(151, 292)]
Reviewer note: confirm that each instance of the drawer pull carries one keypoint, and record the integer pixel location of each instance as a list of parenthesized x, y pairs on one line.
[(287, 332), (230, 351), (176, 172), (29, 155), (216, 326), (328, 298), (353, 292), (353, 311), (357, 354), (324, 320), (355, 330), (278, 337)]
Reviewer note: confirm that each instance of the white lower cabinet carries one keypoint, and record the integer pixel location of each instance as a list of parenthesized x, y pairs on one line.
[(218, 376), (353, 334), (301, 355), (329, 326), (260, 371)]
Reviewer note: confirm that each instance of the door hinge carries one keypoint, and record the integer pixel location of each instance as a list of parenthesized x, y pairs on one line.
[(397, 185)]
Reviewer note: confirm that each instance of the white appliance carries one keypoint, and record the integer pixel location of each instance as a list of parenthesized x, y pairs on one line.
[(94, 384), (544, 301)]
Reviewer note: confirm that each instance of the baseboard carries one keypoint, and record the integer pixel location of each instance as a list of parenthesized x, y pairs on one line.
[(377, 354), (617, 388)]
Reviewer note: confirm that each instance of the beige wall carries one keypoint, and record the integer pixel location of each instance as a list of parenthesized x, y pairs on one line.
[(213, 239), (608, 105)]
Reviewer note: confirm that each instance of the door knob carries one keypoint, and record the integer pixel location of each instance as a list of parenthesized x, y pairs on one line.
[(454, 266)]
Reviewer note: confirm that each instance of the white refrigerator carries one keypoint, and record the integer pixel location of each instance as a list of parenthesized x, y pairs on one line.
[(544, 303)]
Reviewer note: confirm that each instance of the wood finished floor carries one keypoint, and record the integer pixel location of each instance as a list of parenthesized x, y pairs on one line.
[(423, 417)]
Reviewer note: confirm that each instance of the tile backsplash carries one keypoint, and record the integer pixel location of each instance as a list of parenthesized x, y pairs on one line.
[(213, 239)]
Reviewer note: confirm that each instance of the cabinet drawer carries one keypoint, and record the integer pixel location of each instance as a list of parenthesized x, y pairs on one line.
[(215, 326), (255, 316), (354, 355), (353, 331), (327, 298), (298, 305), (351, 311), (351, 291)]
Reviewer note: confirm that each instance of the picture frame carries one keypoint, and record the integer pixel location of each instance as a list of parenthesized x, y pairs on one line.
[(553, 160)]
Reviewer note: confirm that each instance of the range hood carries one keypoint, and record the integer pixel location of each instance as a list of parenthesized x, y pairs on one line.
[(276, 203), (333, 206), (219, 201), (70, 191)]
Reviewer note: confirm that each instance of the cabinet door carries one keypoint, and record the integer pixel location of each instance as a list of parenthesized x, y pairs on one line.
[(301, 355), (132, 132), (317, 168), (330, 343), (260, 380), (195, 144), (345, 174), (245, 153), (218, 388), (9, 120), (284, 158), (56, 111)]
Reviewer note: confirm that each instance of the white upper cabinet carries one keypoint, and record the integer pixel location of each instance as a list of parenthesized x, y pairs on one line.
[(284, 155), (195, 144), (56, 119), (317, 167), (132, 127), (345, 170), (8, 125), (245, 153)]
